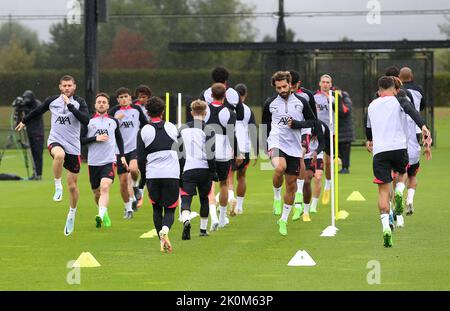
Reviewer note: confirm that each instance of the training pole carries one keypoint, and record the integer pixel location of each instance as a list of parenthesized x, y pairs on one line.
[(179, 110), (339, 214), (167, 106), (331, 230), (336, 148), (330, 99)]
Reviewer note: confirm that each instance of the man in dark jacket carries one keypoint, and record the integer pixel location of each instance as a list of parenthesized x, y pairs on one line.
[(35, 133), (345, 131)]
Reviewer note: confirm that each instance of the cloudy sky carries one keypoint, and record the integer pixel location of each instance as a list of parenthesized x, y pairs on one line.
[(331, 28)]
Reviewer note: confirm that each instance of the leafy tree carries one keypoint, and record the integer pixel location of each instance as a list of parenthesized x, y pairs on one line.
[(66, 49), (127, 52), (27, 38), (15, 57)]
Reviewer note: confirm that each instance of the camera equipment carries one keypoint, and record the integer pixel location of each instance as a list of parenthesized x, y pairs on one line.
[(18, 139)]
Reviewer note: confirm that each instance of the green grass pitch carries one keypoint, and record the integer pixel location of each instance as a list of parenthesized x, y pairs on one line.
[(249, 254)]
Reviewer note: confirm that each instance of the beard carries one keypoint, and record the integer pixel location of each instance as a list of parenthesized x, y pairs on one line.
[(284, 95)]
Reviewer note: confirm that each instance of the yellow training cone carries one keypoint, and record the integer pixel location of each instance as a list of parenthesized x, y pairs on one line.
[(148, 235), (355, 196), (85, 260), (342, 214)]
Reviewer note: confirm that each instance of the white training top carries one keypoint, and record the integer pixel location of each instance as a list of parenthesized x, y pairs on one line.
[(323, 108), (242, 130), (388, 122), (281, 136)]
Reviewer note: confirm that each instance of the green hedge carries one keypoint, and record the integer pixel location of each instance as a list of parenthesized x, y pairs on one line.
[(45, 83), (441, 89)]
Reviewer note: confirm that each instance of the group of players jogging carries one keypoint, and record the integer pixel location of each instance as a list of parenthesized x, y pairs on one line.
[(177, 163)]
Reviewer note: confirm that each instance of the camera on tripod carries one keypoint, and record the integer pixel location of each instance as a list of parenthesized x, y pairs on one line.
[(19, 105)]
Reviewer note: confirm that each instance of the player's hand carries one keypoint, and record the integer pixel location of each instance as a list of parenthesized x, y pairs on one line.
[(369, 146), (66, 99), (20, 126), (124, 162), (214, 176), (427, 153), (102, 137), (426, 137), (290, 122), (240, 159), (119, 116)]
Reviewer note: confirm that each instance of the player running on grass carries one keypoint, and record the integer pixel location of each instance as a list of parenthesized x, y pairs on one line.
[(223, 120), (313, 159), (102, 137), (131, 119), (406, 76), (309, 96), (284, 142), (247, 137), (157, 146), (197, 165), (142, 94), (68, 113), (323, 108), (387, 141)]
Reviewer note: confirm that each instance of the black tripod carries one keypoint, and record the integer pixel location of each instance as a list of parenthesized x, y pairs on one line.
[(19, 140)]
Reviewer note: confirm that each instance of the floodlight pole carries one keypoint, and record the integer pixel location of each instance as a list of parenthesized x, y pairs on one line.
[(90, 52), (94, 12), (281, 35)]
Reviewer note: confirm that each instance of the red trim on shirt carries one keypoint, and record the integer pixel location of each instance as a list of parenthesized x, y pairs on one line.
[(96, 115), (217, 103), (377, 181), (154, 120), (299, 91), (126, 107)]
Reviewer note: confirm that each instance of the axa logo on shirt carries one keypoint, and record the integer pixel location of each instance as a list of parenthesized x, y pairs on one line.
[(101, 132), (127, 124), (62, 120), (284, 120), (322, 106)]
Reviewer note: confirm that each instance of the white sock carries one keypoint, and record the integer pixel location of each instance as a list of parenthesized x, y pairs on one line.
[(185, 215), (142, 192), (128, 206), (58, 183), (327, 184), (165, 230), (72, 212), (101, 211), (230, 195), (306, 209), (400, 187), (135, 183), (314, 202), (222, 212), (213, 213), (277, 193), (203, 223), (133, 198), (385, 221), (240, 202), (410, 198), (286, 212), (300, 183)]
